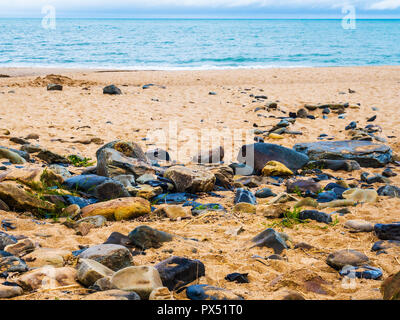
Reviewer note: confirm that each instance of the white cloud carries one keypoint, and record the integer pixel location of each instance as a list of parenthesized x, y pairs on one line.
[(386, 5)]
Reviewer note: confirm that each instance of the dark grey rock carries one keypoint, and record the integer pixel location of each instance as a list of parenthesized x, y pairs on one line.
[(264, 193), (112, 89), (243, 195), (54, 87), (336, 165), (271, 239), (145, 237), (385, 244), (293, 186), (389, 191), (315, 215), (6, 239), (12, 264), (206, 292), (388, 231)]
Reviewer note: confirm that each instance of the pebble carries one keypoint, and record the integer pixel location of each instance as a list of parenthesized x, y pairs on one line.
[(113, 256), (315, 215), (342, 258), (359, 226), (207, 292), (145, 237), (271, 239)]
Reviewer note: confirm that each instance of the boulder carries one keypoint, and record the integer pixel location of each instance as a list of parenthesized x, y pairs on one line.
[(361, 195), (111, 89), (315, 215), (366, 153), (244, 196), (89, 271), (346, 257), (145, 237), (389, 231), (11, 263), (275, 168), (47, 257), (113, 256), (389, 191), (174, 212), (294, 186), (118, 209), (359, 226), (36, 178), (194, 179)]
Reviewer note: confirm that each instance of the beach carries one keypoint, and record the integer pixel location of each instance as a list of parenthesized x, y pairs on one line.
[(80, 119)]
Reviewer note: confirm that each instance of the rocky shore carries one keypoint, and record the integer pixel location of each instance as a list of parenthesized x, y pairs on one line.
[(317, 219)]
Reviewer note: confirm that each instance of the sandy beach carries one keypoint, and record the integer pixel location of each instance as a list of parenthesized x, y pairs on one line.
[(80, 119)]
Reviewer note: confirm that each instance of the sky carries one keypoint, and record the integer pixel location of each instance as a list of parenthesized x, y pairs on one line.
[(201, 8)]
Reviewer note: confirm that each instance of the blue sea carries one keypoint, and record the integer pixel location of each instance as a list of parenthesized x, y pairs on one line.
[(197, 44)]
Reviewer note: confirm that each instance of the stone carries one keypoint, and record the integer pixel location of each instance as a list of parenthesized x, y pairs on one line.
[(389, 191), (89, 271), (6, 239), (176, 272), (145, 191), (72, 211), (37, 178), (47, 257), (264, 193), (103, 284), (161, 293), (362, 272), (113, 256), (244, 196), (303, 186), (47, 278), (14, 157), (302, 113), (110, 190), (111, 89), (118, 238), (315, 215), (245, 208), (259, 154), (142, 280), (335, 165), (174, 212), (237, 277), (388, 173), (86, 183), (54, 87), (275, 168), (207, 292), (282, 198), (306, 202), (224, 176), (191, 180), (198, 208), (145, 178), (19, 197), (346, 257), (118, 209), (7, 292), (174, 198), (337, 203), (21, 248), (271, 239), (127, 180), (385, 244), (95, 221), (112, 295), (365, 153), (389, 231), (390, 288), (12, 264), (145, 237), (158, 155), (359, 226), (51, 157), (361, 195), (273, 211), (215, 155), (254, 181)]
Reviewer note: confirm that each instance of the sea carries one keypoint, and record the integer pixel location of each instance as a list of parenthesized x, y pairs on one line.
[(196, 44)]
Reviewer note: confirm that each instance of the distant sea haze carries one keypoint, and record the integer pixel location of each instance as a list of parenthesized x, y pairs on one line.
[(163, 44)]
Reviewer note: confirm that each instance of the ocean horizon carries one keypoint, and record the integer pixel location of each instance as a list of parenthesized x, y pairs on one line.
[(197, 44)]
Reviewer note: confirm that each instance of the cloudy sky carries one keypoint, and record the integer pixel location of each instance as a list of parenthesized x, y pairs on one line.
[(202, 8)]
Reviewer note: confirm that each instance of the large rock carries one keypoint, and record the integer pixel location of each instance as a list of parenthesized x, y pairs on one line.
[(89, 271), (176, 272), (118, 209), (366, 153), (193, 179), (47, 278), (390, 288), (389, 231), (36, 178), (142, 280), (346, 257), (47, 257), (21, 198), (145, 237), (113, 256), (259, 154)]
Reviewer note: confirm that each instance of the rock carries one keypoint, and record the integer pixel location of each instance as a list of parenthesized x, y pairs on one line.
[(303, 186), (110, 190), (126, 180), (390, 288), (111, 162), (38, 178), (72, 211), (215, 155), (360, 195), (19, 197), (112, 295), (112, 89), (224, 176), (176, 272), (302, 113), (191, 180), (145, 191), (385, 244), (389, 191), (264, 193), (347, 257), (21, 248), (158, 155), (244, 196), (54, 87), (103, 284), (255, 181), (273, 211), (6, 239), (337, 203), (275, 168), (259, 154), (7, 292), (306, 202), (388, 173), (366, 153), (47, 278), (363, 272), (119, 209), (238, 277), (80, 202), (12, 264), (161, 293), (174, 198), (145, 178), (245, 208), (388, 231), (118, 238), (89, 271), (271, 239), (51, 157), (145, 237), (32, 136), (282, 198), (174, 212), (336, 165), (113, 256), (315, 215), (207, 292), (198, 208), (359, 226), (294, 296), (142, 280), (95, 221), (14, 157), (85, 183), (47, 257)]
